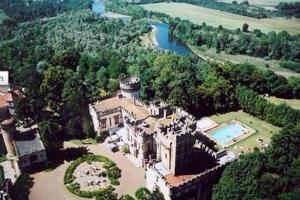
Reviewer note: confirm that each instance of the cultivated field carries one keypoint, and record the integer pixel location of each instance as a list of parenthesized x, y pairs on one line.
[(198, 15), (238, 59), (263, 129), (261, 3), (294, 103)]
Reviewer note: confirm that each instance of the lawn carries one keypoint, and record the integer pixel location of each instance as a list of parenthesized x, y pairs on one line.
[(294, 103), (261, 3), (85, 141), (258, 62), (198, 15), (263, 129)]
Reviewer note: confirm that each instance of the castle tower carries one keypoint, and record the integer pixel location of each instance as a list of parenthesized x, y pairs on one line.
[(7, 130), (130, 87)]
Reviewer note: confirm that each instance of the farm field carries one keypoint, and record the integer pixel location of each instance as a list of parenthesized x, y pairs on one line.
[(263, 129), (294, 103), (237, 59), (198, 15), (261, 3)]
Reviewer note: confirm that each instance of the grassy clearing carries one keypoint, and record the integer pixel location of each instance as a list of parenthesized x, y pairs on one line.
[(263, 129), (198, 15), (148, 39), (294, 103), (261, 3), (222, 57), (85, 141)]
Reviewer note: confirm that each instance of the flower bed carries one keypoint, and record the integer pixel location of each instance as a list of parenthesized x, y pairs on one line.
[(112, 172)]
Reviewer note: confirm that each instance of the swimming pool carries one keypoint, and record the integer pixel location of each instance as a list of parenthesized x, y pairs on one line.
[(228, 132)]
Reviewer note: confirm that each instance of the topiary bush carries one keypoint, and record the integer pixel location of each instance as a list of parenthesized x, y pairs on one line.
[(112, 172), (127, 197), (142, 193)]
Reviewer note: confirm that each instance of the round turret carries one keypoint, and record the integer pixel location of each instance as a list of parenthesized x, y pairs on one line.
[(8, 129), (130, 87)]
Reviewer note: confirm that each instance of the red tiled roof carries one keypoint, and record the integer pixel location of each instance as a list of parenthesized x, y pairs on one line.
[(8, 96), (177, 180)]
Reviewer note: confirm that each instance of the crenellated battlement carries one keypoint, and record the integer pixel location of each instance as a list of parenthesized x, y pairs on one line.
[(198, 144), (196, 179), (130, 83)]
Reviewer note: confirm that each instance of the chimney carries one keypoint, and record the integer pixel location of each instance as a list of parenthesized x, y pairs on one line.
[(165, 113)]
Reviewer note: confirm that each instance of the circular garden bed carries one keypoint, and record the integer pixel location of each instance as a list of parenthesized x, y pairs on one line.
[(91, 175)]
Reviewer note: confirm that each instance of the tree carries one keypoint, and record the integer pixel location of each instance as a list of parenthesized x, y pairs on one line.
[(245, 27), (52, 87), (22, 109), (286, 148), (239, 179), (51, 136)]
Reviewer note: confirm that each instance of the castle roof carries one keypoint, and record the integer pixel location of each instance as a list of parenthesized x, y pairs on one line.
[(138, 111), (6, 96), (28, 144)]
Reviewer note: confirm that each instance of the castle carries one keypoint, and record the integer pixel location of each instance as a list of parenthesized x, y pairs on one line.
[(23, 145), (164, 140)]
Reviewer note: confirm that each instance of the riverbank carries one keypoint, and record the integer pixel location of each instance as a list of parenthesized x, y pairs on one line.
[(149, 39), (112, 15), (222, 57)]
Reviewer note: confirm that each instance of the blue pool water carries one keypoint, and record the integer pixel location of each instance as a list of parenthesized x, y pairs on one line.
[(228, 132)]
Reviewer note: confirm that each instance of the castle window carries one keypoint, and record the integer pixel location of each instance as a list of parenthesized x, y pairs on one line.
[(103, 123), (117, 121)]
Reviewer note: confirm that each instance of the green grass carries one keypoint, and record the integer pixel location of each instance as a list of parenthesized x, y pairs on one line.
[(263, 129), (85, 141), (198, 15), (237, 59), (294, 103), (261, 3)]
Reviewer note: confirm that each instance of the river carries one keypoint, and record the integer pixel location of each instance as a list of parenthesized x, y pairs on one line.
[(162, 33)]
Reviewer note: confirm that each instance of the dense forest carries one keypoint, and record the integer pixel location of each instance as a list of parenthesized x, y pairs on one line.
[(65, 62), (272, 45)]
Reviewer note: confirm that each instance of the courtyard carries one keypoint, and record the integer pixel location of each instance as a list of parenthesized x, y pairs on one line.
[(131, 179)]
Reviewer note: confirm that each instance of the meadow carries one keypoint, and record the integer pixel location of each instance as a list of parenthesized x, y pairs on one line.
[(260, 63), (261, 3), (294, 103), (198, 15), (263, 130)]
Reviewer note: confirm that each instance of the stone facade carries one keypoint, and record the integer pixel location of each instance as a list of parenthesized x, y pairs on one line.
[(164, 139)]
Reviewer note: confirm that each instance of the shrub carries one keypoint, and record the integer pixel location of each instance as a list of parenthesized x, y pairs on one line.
[(103, 174), (1, 175), (114, 182), (98, 139), (113, 173), (125, 149), (127, 197), (142, 193)]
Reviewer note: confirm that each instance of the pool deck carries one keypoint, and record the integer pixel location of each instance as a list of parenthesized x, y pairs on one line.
[(249, 132)]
